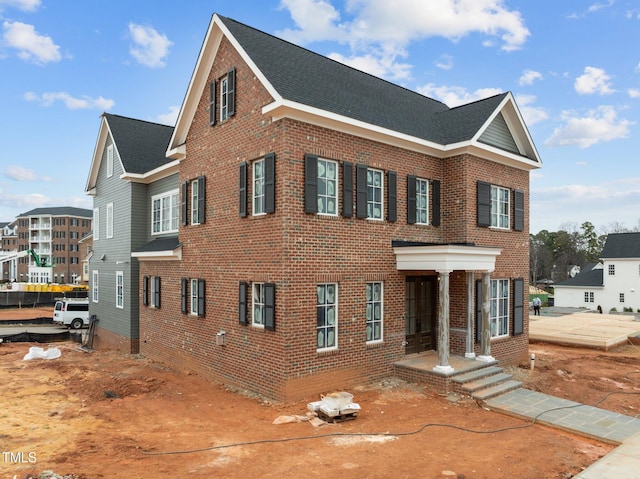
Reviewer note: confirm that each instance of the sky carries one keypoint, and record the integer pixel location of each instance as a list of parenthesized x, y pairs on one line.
[(573, 67)]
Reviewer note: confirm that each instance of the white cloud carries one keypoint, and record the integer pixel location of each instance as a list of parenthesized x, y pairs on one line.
[(530, 113), (171, 117), (445, 62), (634, 92), (24, 5), (19, 173), (529, 76), (150, 47), (31, 46), (70, 102), (599, 125), (454, 96), (380, 65), (316, 21), (593, 80)]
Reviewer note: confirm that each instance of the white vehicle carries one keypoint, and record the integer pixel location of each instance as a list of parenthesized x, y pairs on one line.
[(72, 312)]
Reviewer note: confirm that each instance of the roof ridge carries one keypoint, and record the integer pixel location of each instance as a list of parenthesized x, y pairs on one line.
[(114, 115)]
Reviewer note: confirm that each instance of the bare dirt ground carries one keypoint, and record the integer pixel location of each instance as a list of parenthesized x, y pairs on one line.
[(108, 415)]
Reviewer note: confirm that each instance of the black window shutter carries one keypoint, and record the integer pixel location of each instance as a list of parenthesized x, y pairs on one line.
[(145, 290), (270, 306), (242, 303), (310, 184), (347, 189), (361, 191), (518, 210), (392, 193), (156, 280), (184, 298), (478, 311), (435, 202), (212, 103), (518, 306), (411, 199), (484, 203), (201, 298), (270, 183), (231, 92), (202, 199), (185, 203), (242, 188)]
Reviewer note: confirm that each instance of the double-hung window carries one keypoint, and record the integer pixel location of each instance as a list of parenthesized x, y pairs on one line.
[(499, 207), (195, 193), (612, 270), (374, 311), (258, 187), (422, 201), (375, 188), (327, 187), (165, 213), (588, 297), (499, 313), (258, 311), (194, 297), (119, 289), (327, 316), (94, 287)]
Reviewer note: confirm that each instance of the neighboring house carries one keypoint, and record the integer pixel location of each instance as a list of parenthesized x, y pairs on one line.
[(48, 244), (86, 250), (135, 199), (9, 242), (614, 283), (331, 223)]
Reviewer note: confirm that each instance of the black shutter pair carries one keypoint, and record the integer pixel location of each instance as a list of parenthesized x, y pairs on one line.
[(202, 201), (311, 186), (231, 96), (412, 198), (184, 296), (518, 308), (484, 206), (269, 185), (269, 305)]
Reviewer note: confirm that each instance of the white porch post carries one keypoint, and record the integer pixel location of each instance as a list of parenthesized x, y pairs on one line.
[(485, 345), (443, 324), (469, 352)]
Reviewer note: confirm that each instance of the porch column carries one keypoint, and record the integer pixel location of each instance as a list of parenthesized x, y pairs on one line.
[(443, 324), (469, 352), (485, 344)]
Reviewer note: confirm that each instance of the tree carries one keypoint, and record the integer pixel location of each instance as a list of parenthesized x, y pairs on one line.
[(591, 243)]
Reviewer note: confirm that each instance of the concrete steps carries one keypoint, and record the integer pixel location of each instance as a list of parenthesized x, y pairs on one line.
[(486, 383)]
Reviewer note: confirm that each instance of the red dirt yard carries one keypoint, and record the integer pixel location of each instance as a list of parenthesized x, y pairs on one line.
[(105, 414)]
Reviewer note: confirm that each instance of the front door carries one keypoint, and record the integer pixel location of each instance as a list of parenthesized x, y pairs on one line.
[(420, 314)]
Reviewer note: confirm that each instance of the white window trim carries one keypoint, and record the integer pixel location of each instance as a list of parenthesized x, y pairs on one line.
[(253, 188), (120, 289), (324, 178), (194, 202), (109, 161), (193, 297), (224, 98), (95, 287), (419, 195), (335, 303), (381, 188), (373, 302), (96, 224), (173, 208), (109, 233), (257, 300), (496, 214), (495, 306)]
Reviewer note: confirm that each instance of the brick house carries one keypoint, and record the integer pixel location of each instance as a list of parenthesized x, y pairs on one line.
[(333, 223)]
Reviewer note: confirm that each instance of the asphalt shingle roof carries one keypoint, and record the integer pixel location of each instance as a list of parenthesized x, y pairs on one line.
[(311, 79), (59, 211), (587, 277), (167, 243), (621, 245), (142, 145)]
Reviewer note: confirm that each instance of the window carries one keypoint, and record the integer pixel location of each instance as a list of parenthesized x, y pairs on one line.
[(164, 213), (422, 201), (499, 207), (257, 318), (96, 224), (109, 161), (227, 95), (94, 287), (258, 187), (196, 211), (110, 220), (374, 311), (374, 194), (196, 296), (155, 292), (119, 289), (327, 187), (589, 297), (499, 314), (327, 316), (612, 270), (622, 297), (194, 203)]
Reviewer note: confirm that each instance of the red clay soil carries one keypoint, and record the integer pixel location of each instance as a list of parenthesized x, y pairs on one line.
[(108, 415)]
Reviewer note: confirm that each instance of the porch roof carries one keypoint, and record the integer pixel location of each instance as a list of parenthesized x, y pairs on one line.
[(447, 257)]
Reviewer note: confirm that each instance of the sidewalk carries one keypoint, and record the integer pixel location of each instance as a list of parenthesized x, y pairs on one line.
[(593, 422)]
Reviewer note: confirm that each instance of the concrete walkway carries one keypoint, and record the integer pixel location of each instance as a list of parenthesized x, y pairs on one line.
[(593, 422)]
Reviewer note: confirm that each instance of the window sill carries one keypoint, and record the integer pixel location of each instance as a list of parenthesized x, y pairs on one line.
[(327, 352)]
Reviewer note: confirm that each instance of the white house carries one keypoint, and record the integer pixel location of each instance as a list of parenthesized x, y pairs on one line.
[(613, 283)]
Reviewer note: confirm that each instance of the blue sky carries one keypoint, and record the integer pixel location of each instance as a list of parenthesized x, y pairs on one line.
[(572, 65)]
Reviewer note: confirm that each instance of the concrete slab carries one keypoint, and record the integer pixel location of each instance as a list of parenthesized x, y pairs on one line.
[(601, 331)]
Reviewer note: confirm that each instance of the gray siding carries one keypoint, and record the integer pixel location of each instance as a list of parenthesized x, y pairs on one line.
[(497, 134)]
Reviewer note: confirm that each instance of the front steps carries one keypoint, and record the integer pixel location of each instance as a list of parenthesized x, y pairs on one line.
[(485, 383)]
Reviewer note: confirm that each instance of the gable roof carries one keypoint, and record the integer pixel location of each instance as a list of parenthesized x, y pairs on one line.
[(312, 88), (59, 211), (591, 275), (621, 245), (141, 147)]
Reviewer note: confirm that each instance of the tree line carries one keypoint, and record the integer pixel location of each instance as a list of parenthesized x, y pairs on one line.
[(554, 254)]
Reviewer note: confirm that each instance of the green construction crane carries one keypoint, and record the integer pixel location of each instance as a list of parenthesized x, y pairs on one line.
[(42, 262)]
